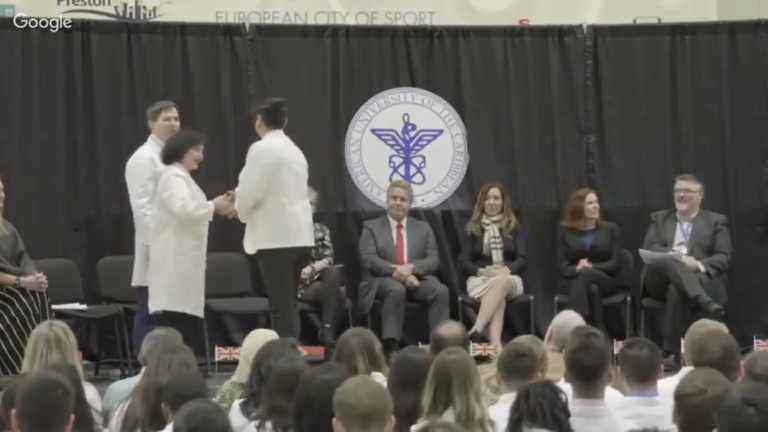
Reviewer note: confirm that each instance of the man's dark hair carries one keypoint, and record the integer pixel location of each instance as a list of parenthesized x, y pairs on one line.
[(273, 112), (517, 364), (690, 178), (719, 351), (46, 389), (640, 361), (448, 334), (405, 381), (587, 358), (182, 387), (179, 144), (201, 415), (756, 367), (745, 409), (313, 405), (541, 405), (158, 108), (697, 396), (584, 330)]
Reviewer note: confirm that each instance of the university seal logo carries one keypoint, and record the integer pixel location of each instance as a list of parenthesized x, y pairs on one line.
[(407, 134)]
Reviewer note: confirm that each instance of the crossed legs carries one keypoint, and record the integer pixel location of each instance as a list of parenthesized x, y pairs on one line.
[(493, 304)]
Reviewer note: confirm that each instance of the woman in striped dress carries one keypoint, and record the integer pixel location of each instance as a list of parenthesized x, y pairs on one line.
[(23, 301)]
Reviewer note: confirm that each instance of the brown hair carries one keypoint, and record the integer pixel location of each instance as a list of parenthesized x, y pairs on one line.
[(574, 213), (359, 350), (508, 219), (362, 404), (719, 351), (697, 397)]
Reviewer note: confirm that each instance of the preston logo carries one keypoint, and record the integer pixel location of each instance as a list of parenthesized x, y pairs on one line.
[(407, 134)]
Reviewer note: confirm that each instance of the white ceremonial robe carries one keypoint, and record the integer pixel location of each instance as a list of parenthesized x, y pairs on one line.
[(141, 174), (179, 246)]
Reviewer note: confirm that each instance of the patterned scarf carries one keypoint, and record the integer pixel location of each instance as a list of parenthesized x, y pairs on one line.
[(493, 246)]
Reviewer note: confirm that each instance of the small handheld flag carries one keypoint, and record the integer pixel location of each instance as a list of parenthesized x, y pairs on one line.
[(483, 350), (759, 345), (227, 353)]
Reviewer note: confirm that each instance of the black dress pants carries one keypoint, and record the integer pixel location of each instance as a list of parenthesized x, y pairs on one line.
[(680, 287), (281, 274), (586, 291), (190, 327), (326, 294)]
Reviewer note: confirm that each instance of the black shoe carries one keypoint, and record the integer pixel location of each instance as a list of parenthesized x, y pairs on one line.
[(711, 309), (391, 347), (671, 363), (476, 337)]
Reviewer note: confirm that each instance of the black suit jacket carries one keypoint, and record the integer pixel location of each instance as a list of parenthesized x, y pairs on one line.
[(604, 253), (709, 241), (472, 258)]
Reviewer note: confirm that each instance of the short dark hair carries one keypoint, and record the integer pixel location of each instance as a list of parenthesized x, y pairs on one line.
[(640, 361), (584, 330), (542, 405), (201, 415), (313, 405), (587, 358), (745, 409), (273, 112), (448, 334), (407, 377), (362, 404), (719, 351), (47, 389), (179, 144), (158, 108), (698, 394), (690, 178), (182, 387), (756, 367), (8, 400), (517, 364)]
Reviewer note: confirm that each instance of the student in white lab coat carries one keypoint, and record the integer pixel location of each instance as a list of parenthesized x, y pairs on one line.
[(141, 174), (179, 245), (273, 202), (516, 366), (640, 369)]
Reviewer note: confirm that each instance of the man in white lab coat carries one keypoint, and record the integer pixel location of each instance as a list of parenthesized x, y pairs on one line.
[(272, 200), (141, 175)]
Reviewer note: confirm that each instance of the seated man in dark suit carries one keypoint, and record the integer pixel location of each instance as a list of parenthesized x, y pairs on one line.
[(699, 280), (399, 255)]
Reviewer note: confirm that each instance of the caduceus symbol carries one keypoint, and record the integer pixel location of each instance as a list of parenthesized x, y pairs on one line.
[(407, 163)]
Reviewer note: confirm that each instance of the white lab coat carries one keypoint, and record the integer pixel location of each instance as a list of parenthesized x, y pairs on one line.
[(180, 220), (272, 198), (141, 174)]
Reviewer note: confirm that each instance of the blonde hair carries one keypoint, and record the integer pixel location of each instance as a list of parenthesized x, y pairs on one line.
[(492, 389), (359, 350), (454, 383), (696, 331), (51, 342)]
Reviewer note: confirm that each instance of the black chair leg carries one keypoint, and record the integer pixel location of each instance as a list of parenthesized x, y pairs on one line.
[(120, 356), (642, 322), (627, 330), (127, 341), (271, 318), (97, 365), (207, 348), (557, 306), (532, 315)]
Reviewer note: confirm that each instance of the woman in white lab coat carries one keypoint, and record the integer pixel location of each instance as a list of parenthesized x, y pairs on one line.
[(179, 239)]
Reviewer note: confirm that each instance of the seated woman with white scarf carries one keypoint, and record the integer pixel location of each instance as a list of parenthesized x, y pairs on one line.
[(493, 257)]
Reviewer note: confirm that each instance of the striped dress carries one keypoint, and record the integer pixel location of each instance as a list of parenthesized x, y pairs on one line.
[(21, 310)]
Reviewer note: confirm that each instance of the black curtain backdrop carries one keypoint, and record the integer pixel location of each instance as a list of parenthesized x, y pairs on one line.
[(548, 109)]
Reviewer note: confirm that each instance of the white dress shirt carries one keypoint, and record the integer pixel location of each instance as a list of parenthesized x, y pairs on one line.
[(499, 411), (646, 412), (612, 396), (393, 223), (680, 244), (668, 385), (240, 423), (272, 196), (594, 416)]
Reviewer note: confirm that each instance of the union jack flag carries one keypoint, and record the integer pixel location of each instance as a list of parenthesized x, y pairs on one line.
[(617, 345), (760, 345), (483, 350), (227, 353)]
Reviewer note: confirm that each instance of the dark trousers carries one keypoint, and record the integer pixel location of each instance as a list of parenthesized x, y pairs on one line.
[(143, 322), (326, 294), (393, 296), (585, 294), (677, 285), (281, 274), (190, 327)]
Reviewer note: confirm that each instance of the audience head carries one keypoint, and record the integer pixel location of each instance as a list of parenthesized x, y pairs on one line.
[(163, 119), (270, 114), (179, 388), (313, 405), (640, 363), (745, 409), (51, 342), (201, 415), (756, 367), (184, 148), (441, 426), (156, 338), (144, 410), (719, 351), (688, 193), (399, 199), (696, 331), (697, 397), (83, 412), (280, 387), (8, 401), (47, 389), (405, 382), (264, 363), (449, 334), (251, 345), (454, 383), (588, 361), (517, 365), (362, 405), (561, 327), (492, 202), (540, 405), (312, 193), (360, 351), (539, 348), (583, 208)]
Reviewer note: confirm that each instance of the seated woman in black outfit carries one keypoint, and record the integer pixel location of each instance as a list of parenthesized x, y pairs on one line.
[(493, 256), (589, 252), (321, 281)]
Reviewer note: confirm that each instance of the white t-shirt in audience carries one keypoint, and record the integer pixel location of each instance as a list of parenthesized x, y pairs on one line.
[(379, 378), (168, 427), (448, 416), (594, 416), (240, 423), (668, 385), (612, 396), (646, 412), (499, 411), (94, 400), (116, 421)]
